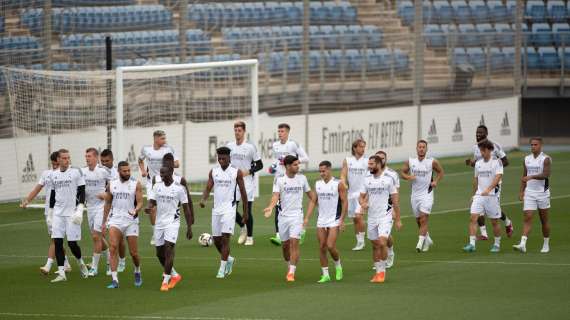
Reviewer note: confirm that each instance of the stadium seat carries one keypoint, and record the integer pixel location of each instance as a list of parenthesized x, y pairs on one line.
[(557, 11), (505, 35), (509, 54), (564, 55), (468, 35), (461, 12), (549, 58), (536, 11), (561, 33), (443, 12), (460, 56), (497, 59), (477, 58), (532, 59), (486, 34), (434, 36), (541, 34), (498, 11), (479, 11)]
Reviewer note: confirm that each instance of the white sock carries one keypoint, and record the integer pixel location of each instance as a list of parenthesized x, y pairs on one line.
[(249, 238), (49, 263), (337, 263), (382, 265), (428, 237), (173, 272), (80, 261), (325, 271), (508, 221), (223, 264), (498, 241), (137, 269), (230, 258), (66, 262), (483, 230), (523, 240), (378, 266), (114, 276), (472, 240), (292, 268), (391, 250), (61, 271), (95, 262), (546, 242), (360, 237), (421, 241), (122, 260), (166, 278), (277, 235)]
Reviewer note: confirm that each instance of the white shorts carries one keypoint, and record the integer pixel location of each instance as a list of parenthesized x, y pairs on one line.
[(422, 204), (536, 200), (486, 205), (223, 223), (290, 227), (354, 208), (169, 234), (63, 227), (328, 224), (128, 229), (95, 220), (377, 230)]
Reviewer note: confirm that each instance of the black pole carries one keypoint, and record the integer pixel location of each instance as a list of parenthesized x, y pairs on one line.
[(109, 66)]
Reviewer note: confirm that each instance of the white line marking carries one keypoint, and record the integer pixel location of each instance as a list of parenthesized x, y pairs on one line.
[(19, 223), (92, 316)]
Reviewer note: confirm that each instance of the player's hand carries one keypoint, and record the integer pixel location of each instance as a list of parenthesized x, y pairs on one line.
[(24, 203), (398, 224), (202, 204), (364, 207), (433, 184), (341, 226), (101, 196), (468, 162), (147, 210), (267, 212), (132, 213), (189, 233), (521, 195), (245, 173), (525, 179), (305, 223), (485, 192), (245, 219)]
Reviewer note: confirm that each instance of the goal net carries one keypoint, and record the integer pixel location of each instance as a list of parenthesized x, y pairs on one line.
[(194, 104)]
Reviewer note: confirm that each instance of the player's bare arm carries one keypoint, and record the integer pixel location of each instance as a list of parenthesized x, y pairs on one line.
[(243, 193), (343, 194), (32, 195), (344, 173), (545, 174), (405, 172), (395, 197), (493, 185), (207, 190), (310, 209), (523, 182), (439, 173), (274, 199)]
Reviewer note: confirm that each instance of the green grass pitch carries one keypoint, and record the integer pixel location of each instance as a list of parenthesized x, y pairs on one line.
[(444, 283)]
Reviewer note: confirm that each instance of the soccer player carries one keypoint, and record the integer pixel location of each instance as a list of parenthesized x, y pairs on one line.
[(498, 153), (69, 194), (378, 189), (354, 169), (245, 157), (106, 159), (166, 198), (281, 149), (535, 193), (333, 205), (485, 201), (96, 179), (153, 155), (419, 171), (123, 202), (288, 190), (225, 180), (48, 210)]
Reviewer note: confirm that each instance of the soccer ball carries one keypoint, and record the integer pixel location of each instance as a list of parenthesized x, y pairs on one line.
[(205, 240)]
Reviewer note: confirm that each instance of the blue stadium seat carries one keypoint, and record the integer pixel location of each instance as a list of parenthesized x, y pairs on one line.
[(402, 61), (406, 12), (512, 11), (533, 60), (434, 36), (541, 34), (468, 35), (549, 58), (461, 11), (479, 11), (498, 11), (486, 34), (561, 34), (460, 56), (505, 35), (557, 11), (443, 12), (497, 59), (536, 11), (565, 56), (509, 54), (477, 58)]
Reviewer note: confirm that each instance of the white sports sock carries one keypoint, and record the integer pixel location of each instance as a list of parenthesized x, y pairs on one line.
[(421, 240), (391, 250), (166, 278), (382, 265), (378, 266), (337, 263), (292, 268), (325, 271), (360, 236), (61, 270), (122, 260), (472, 240), (428, 237), (66, 262), (138, 269), (498, 241), (95, 262), (508, 221), (173, 272), (483, 230), (80, 261), (49, 263), (523, 240), (277, 235), (223, 264), (114, 276), (249, 238), (546, 242)]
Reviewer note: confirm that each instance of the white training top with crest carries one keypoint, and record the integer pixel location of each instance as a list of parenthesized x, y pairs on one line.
[(168, 200), (535, 166), (242, 156), (225, 189), (357, 171), (154, 157), (291, 194), (95, 183), (45, 181), (328, 200), (281, 150), (65, 184), (423, 171), (379, 190), (485, 172), (124, 200)]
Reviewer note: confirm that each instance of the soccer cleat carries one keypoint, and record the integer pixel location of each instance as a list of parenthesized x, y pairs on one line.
[(495, 249), (275, 240), (138, 279), (290, 277), (338, 275), (469, 248), (379, 277), (44, 270), (249, 241), (419, 248), (324, 279), (174, 281), (482, 238), (230, 265), (152, 242), (84, 271), (92, 273), (164, 287), (242, 235), (509, 230), (303, 234), (221, 274), (59, 278), (113, 285), (359, 246), (390, 260), (427, 244), (67, 269), (121, 266), (545, 249), (520, 248)]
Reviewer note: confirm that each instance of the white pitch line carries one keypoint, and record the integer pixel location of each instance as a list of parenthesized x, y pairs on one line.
[(92, 316), (20, 223)]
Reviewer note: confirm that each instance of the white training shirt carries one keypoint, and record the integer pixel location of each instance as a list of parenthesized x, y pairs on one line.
[(65, 184), (95, 183), (379, 190), (535, 166), (357, 171), (124, 199), (113, 172), (225, 189), (176, 178), (423, 171), (45, 182), (168, 200), (242, 156), (154, 157), (291, 194), (281, 150), (328, 200), (485, 172), (498, 152)]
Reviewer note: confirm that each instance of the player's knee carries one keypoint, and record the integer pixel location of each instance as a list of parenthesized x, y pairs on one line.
[(330, 247)]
